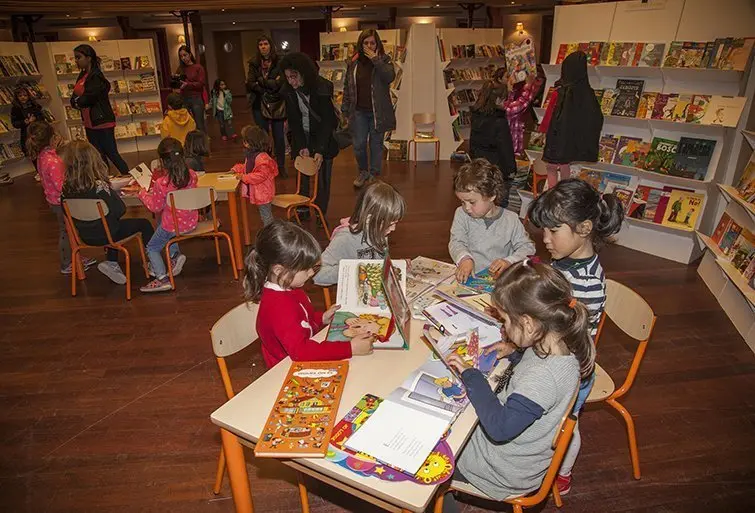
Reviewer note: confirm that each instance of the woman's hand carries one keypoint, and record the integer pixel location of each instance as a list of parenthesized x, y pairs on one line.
[(369, 52), (456, 362), (318, 160), (362, 344), (304, 152), (464, 269), (329, 313)]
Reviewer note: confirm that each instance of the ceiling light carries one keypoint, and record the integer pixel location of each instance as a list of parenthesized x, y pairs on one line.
[(293, 7), (222, 10), (233, 23)]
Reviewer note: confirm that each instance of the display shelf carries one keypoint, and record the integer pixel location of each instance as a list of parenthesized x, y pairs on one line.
[(750, 137), (731, 194), (14, 160), (701, 75), (737, 280), (11, 132), (19, 78), (708, 243), (688, 232)]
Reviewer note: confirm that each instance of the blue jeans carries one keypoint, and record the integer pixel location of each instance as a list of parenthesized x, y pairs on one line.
[(585, 386), (226, 125), (279, 138), (362, 132), (155, 247), (195, 105)]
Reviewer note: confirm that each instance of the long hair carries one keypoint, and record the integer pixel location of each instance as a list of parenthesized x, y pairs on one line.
[(88, 51), (173, 161), (186, 49), (273, 55), (301, 63), (279, 243), (378, 206), (84, 167), (196, 144), (544, 294), (364, 35), (575, 201), (216, 86), (482, 177), (489, 94), (38, 137)]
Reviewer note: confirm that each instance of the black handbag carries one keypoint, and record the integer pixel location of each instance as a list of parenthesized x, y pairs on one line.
[(273, 106)]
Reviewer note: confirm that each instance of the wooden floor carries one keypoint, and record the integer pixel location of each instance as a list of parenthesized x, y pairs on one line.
[(105, 403)]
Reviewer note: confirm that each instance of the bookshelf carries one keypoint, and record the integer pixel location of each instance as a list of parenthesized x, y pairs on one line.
[(137, 130)]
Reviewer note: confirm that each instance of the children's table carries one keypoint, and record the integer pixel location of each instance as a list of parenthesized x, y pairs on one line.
[(231, 188), (242, 418)]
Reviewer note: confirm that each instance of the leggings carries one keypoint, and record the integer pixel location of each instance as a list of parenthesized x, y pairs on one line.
[(104, 140)]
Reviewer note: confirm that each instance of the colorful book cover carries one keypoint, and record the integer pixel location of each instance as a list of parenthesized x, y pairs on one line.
[(645, 108), (593, 55), (592, 177), (652, 54), (715, 57), (660, 103), (746, 185), (724, 110), (749, 272), (607, 148), (627, 54), (125, 62), (681, 111), (683, 209), (660, 210), (607, 102), (599, 94), (743, 251), (721, 228), (548, 97), (305, 411), (623, 147), (639, 202), (483, 282), (729, 238), (661, 156), (693, 157), (710, 50), (692, 54), (674, 53), (347, 325), (561, 53), (738, 54), (604, 51), (638, 155), (627, 97), (571, 48), (638, 48), (670, 107), (614, 54), (654, 197), (697, 108), (625, 195), (584, 47)]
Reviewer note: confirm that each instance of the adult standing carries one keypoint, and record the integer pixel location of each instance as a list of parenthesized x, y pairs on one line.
[(193, 85), (311, 119), (263, 82), (367, 103), (90, 96)]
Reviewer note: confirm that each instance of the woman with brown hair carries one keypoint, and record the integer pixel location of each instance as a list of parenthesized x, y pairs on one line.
[(193, 85), (367, 103)]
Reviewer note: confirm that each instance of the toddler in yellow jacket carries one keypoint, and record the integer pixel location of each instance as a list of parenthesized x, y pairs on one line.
[(177, 121)]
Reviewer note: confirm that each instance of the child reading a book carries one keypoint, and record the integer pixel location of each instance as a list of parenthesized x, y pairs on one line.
[(364, 235), (283, 259), (172, 175), (549, 348), (484, 234), (86, 177), (577, 221), (177, 121), (196, 148), (220, 100), (258, 171), (42, 145)]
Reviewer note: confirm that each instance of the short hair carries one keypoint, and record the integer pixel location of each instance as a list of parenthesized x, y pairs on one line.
[(255, 138), (175, 101), (482, 177)]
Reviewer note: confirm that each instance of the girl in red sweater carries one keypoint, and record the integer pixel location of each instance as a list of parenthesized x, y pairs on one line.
[(283, 259), (258, 172)]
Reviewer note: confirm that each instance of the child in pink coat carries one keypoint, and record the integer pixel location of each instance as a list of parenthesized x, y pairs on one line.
[(258, 172)]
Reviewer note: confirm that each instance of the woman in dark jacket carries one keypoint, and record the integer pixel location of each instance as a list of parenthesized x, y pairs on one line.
[(311, 119), (263, 83), (367, 102), (193, 86), (90, 96), (490, 135)]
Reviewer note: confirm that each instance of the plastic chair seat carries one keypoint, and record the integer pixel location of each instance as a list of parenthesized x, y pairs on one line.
[(288, 200), (603, 387)]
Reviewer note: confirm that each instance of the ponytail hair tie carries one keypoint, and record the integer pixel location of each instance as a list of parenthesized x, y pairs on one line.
[(572, 302)]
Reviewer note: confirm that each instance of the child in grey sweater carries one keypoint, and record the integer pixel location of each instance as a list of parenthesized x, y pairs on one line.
[(364, 235), (484, 234)]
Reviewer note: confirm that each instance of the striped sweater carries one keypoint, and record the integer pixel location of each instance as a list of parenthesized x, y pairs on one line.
[(588, 283)]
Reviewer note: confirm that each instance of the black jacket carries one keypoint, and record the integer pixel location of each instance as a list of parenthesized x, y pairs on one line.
[(92, 232), (96, 89), (321, 133), (18, 115), (490, 138), (257, 84)]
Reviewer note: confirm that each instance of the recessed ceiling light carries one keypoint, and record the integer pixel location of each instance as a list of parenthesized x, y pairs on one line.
[(234, 23), (293, 7), (68, 15), (222, 10)]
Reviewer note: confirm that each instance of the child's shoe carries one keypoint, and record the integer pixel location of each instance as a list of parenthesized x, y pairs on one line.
[(178, 264), (87, 262), (235, 136), (37, 177), (113, 271), (157, 285), (563, 483), (225, 138)]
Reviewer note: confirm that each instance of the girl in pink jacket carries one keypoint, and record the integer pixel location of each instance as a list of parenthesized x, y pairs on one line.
[(173, 175), (258, 172)]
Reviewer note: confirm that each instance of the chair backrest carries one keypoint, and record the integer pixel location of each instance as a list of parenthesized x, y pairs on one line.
[(191, 199), (235, 331), (306, 165), (424, 118), (86, 209)]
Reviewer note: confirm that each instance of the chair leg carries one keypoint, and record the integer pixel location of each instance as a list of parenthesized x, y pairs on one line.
[(322, 218), (303, 493), (233, 257), (74, 271), (631, 435), (80, 266), (169, 263), (326, 297), (245, 222), (217, 250), (221, 471), (143, 254), (517, 508), (437, 154), (128, 272), (556, 496), (438, 508)]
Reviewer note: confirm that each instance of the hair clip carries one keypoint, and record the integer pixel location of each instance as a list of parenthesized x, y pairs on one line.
[(572, 302), (526, 262)]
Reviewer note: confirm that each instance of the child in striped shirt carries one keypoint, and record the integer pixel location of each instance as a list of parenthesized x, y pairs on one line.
[(577, 221)]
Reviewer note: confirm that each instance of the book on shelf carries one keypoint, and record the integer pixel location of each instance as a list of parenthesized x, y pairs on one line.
[(661, 156), (746, 185), (738, 54), (77, 132), (627, 97), (652, 53), (141, 61), (729, 237), (670, 107), (724, 110), (593, 53), (646, 105), (673, 55), (599, 95), (692, 158), (638, 204), (304, 413), (627, 54), (607, 148), (614, 53), (658, 105), (548, 97), (624, 195), (607, 101), (624, 147), (683, 209), (721, 228), (697, 108), (742, 251), (681, 110), (106, 63)]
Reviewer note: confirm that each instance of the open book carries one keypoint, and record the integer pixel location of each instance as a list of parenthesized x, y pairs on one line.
[(143, 175), (425, 274)]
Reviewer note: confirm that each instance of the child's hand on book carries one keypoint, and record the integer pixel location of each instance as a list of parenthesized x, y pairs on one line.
[(456, 361), (498, 266), (362, 344), (329, 313), (502, 349), (464, 269)]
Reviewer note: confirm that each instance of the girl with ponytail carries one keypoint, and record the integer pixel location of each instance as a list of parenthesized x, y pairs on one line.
[(173, 175), (577, 221), (284, 258), (549, 348)]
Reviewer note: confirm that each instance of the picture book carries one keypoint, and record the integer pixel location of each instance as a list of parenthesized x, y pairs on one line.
[(467, 347), (710, 50), (614, 54), (360, 284), (697, 108), (548, 97), (660, 103), (692, 158), (683, 209), (610, 181), (660, 209), (627, 97), (482, 282), (673, 55), (608, 101), (639, 202), (395, 296), (599, 95), (520, 59), (561, 53), (623, 147), (624, 195), (746, 185), (304, 412), (125, 62), (645, 108), (604, 51), (143, 175), (742, 251), (638, 47), (591, 176), (654, 196), (749, 272), (607, 148), (718, 48), (455, 316), (346, 325), (652, 54), (583, 46), (593, 54), (681, 110), (424, 274), (627, 54), (724, 110), (691, 55), (721, 228), (637, 155), (670, 107), (661, 156), (738, 55), (729, 238)]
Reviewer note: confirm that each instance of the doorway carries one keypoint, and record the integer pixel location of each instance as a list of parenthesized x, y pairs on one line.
[(230, 59)]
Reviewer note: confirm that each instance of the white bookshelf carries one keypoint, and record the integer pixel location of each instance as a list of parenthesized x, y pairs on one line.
[(131, 48)]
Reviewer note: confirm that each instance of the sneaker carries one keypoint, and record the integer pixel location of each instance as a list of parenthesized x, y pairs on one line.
[(224, 138), (178, 264), (360, 180), (37, 177), (563, 483), (88, 262), (235, 136), (113, 271), (157, 285)]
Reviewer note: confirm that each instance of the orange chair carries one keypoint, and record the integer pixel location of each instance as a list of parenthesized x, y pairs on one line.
[(559, 445), (326, 297), (92, 210), (631, 313), (305, 166), (539, 176), (194, 199), (424, 119)]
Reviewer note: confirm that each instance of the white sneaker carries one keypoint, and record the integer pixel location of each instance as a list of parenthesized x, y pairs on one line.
[(113, 271), (178, 264)]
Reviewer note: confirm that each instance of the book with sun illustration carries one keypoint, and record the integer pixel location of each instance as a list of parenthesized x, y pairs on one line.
[(302, 418)]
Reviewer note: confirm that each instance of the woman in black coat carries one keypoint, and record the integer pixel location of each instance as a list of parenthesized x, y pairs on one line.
[(263, 83), (311, 119), (90, 96)]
